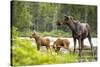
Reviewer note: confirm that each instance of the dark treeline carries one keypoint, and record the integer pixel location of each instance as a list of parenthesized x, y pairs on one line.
[(40, 16)]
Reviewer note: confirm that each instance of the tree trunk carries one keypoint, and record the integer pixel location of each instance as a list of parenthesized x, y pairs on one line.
[(55, 16), (86, 14)]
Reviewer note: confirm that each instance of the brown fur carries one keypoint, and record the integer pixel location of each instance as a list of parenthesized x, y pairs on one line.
[(40, 41), (61, 43)]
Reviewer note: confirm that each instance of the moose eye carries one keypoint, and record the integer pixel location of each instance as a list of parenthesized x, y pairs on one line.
[(65, 19), (32, 34)]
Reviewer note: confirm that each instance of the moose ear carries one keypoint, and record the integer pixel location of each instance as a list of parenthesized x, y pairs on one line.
[(71, 17), (66, 17), (34, 32)]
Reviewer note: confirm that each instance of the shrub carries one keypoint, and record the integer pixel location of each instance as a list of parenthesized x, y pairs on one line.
[(14, 32), (56, 33), (24, 53), (25, 33)]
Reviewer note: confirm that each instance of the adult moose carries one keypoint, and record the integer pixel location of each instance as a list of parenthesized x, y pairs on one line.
[(79, 31)]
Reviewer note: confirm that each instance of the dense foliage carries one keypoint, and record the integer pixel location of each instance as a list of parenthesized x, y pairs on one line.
[(14, 32), (24, 53), (42, 17)]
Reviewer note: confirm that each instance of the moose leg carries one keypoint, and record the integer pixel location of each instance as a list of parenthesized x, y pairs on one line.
[(58, 49), (38, 47), (89, 38), (48, 48), (82, 45), (80, 48), (74, 44)]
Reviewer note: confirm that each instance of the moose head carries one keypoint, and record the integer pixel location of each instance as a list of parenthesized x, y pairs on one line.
[(34, 34), (66, 20)]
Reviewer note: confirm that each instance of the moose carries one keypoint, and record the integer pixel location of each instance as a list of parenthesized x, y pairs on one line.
[(40, 41), (61, 43), (80, 31)]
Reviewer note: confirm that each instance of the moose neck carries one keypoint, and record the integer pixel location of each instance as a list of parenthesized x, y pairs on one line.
[(72, 26), (37, 38)]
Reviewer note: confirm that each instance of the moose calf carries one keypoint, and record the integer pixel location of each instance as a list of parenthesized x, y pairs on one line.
[(61, 43), (40, 41)]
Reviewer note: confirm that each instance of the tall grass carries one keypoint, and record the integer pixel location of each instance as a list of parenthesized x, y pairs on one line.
[(24, 53)]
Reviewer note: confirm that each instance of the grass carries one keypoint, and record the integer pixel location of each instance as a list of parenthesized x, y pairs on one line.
[(53, 33), (56, 33), (23, 53)]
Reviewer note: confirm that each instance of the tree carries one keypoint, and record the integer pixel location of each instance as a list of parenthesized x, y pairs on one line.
[(21, 17), (41, 16)]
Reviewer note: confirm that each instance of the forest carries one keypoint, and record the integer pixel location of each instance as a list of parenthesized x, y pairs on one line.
[(27, 16), (42, 17)]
